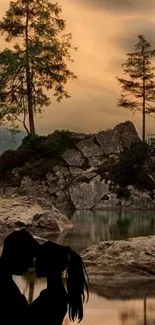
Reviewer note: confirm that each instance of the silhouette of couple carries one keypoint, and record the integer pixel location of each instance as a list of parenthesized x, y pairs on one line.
[(20, 250)]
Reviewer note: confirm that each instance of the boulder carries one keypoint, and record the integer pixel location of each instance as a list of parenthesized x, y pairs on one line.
[(29, 214), (121, 260), (109, 201), (83, 174), (73, 158), (75, 171), (138, 200), (89, 148), (109, 142), (95, 161), (56, 182), (28, 186), (85, 196), (127, 132), (65, 172), (11, 191)]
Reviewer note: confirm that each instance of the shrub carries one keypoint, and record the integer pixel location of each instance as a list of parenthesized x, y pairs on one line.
[(38, 169), (50, 146), (57, 143), (31, 140), (12, 159), (132, 162)]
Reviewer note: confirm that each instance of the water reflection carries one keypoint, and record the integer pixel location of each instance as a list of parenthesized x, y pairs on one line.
[(110, 305), (92, 227)]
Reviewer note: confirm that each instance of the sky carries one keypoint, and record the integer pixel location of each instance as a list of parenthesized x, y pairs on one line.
[(104, 31)]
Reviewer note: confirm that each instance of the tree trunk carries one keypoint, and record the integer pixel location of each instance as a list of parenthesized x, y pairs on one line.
[(28, 76), (144, 99), (144, 117)]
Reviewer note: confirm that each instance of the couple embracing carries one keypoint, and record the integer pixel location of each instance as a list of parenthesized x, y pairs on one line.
[(21, 252)]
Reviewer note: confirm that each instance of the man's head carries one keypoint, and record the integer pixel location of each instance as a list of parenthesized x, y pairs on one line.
[(19, 251)]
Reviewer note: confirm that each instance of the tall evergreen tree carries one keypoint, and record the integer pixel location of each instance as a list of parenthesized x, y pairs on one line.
[(138, 91), (38, 61)]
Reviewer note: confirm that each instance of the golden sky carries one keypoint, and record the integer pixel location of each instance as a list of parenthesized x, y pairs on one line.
[(104, 31)]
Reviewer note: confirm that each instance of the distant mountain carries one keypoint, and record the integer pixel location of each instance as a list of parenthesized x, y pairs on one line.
[(9, 141)]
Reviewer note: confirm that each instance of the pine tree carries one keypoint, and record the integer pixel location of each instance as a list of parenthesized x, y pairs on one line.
[(138, 91), (38, 61)]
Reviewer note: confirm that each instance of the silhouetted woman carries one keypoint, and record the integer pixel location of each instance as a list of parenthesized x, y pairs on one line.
[(17, 257), (51, 306)]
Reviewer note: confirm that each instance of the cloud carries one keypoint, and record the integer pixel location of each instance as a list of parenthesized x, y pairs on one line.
[(119, 6), (128, 34)]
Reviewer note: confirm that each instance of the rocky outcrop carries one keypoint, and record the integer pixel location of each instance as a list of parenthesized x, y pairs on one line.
[(73, 158), (109, 141), (37, 216), (89, 148), (122, 260), (78, 181), (127, 133), (88, 195)]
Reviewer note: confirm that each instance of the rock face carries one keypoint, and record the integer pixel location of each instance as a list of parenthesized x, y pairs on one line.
[(39, 218), (109, 142), (127, 133), (73, 158), (89, 149), (78, 182), (121, 260), (88, 195)]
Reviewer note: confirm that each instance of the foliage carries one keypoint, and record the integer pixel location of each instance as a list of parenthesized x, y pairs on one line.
[(138, 91), (132, 163), (51, 146), (38, 169), (131, 168), (37, 62), (57, 143), (37, 155)]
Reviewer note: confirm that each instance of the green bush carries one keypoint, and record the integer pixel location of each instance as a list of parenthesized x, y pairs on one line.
[(50, 146), (12, 159), (133, 161), (38, 169), (57, 143), (131, 168), (31, 141), (37, 154)]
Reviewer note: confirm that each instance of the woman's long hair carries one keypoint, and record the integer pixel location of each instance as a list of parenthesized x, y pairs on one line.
[(77, 284), (58, 258)]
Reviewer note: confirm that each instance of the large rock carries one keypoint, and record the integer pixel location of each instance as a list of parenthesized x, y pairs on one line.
[(26, 213), (127, 132), (110, 201), (109, 142), (85, 196), (121, 260), (89, 148), (73, 158), (138, 200), (95, 161)]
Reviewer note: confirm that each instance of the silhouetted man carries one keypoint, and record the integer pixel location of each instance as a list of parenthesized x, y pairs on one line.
[(17, 257)]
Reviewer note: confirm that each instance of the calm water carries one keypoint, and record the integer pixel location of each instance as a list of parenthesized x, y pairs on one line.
[(90, 228)]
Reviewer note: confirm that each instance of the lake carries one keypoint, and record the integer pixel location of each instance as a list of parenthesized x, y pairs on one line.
[(91, 228)]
